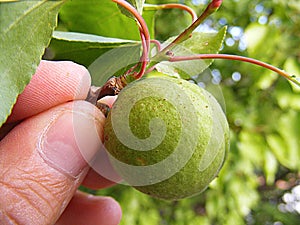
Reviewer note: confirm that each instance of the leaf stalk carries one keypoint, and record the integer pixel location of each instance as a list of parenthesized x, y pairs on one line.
[(210, 9), (172, 6), (282, 73), (144, 33)]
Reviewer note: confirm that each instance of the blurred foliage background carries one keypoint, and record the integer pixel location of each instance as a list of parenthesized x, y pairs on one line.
[(260, 181)]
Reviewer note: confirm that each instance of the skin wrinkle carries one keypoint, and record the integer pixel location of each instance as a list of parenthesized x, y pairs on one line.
[(22, 194), (30, 178), (4, 172), (45, 200), (27, 193), (39, 178), (73, 189), (5, 185), (10, 210), (54, 184), (57, 185), (43, 182), (6, 218)]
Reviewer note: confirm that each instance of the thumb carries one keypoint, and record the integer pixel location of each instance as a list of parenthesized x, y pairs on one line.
[(44, 159)]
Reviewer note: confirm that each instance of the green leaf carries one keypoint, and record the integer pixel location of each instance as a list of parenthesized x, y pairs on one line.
[(255, 36), (270, 167), (83, 48), (285, 144), (26, 29), (279, 147), (292, 67), (266, 79), (101, 18), (252, 147), (262, 41), (272, 212), (199, 43), (113, 63), (287, 96), (138, 4)]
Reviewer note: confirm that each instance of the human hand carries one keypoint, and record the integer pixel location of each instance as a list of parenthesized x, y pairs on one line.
[(41, 160)]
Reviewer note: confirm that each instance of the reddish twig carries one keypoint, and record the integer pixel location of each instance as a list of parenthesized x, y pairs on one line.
[(237, 58), (210, 9), (144, 58), (173, 6), (157, 44), (144, 33)]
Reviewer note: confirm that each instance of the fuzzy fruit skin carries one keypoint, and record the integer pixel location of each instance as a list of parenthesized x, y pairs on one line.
[(199, 111)]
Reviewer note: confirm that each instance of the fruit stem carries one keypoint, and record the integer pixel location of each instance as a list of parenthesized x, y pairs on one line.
[(172, 6), (157, 44), (112, 87), (282, 73), (144, 58), (144, 33), (210, 9)]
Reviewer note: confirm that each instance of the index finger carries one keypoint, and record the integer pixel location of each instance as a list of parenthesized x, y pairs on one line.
[(53, 83)]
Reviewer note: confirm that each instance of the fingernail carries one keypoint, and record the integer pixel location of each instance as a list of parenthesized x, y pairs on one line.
[(69, 143)]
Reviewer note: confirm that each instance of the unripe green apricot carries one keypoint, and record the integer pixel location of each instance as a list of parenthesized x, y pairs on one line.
[(166, 137)]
